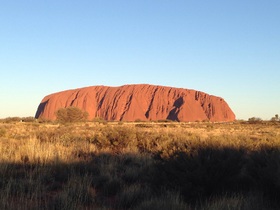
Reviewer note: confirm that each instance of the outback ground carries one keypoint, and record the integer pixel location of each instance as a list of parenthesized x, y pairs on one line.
[(139, 165)]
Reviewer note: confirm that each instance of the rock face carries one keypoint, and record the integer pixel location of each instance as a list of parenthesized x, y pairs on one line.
[(138, 102)]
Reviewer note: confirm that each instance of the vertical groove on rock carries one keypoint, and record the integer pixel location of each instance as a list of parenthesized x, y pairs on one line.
[(76, 96), (127, 105), (147, 114)]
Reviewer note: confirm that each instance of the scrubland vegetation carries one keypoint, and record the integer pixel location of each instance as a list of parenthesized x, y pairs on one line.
[(140, 165)]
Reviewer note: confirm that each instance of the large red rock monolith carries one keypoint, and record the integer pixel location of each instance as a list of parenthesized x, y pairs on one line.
[(138, 102)]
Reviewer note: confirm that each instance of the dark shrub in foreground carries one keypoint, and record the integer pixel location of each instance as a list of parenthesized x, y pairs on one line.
[(209, 171)]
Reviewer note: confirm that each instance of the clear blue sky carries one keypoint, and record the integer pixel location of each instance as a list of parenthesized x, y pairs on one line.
[(225, 48)]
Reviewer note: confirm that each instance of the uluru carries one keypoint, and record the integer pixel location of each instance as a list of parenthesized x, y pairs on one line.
[(139, 102)]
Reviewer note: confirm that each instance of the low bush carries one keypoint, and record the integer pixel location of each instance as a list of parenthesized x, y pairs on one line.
[(71, 114), (263, 167), (12, 119), (202, 173)]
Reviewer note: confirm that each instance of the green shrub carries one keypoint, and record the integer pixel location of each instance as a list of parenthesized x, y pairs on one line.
[(254, 120), (12, 119), (203, 172), (71, 114), (28, 119), (116, 138), (99, 120)]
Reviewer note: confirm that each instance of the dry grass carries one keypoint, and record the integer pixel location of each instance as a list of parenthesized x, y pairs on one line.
[(138, 165)]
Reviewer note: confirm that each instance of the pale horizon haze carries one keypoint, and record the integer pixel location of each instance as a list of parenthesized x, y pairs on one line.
[(229, 49)]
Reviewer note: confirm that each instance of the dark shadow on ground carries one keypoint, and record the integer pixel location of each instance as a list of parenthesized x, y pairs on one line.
[(131, 181)]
